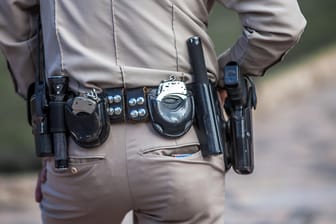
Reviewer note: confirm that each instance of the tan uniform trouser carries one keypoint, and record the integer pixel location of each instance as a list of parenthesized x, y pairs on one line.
[(136, 169)]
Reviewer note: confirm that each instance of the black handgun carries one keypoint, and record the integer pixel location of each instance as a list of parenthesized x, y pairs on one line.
[(208, 117), (238, 106)]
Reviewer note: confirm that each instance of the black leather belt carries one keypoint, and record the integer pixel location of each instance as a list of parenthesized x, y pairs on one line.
[(170, 107)]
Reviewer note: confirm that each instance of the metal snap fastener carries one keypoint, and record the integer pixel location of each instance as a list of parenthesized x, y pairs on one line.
[(117, 110), (140, 100), (117, 98), (110, 111), (142, 112), (132, 102), (110, 99), (134, 114)]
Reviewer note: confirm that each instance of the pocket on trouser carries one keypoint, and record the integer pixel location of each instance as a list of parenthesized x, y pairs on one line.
[(178, 182), (183, 152), (77, 166), (187, 153), (66, 193)]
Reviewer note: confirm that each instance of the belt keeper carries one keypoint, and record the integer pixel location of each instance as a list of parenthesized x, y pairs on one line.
[(127, 104), (136, 104), (115, 104)]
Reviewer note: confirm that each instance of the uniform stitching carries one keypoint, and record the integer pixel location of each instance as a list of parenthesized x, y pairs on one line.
[(174, 35), (58, 37), (122, 76), (114, 32), (127, 171)]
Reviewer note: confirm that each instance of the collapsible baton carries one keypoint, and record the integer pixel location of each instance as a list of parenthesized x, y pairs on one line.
[(208, 116)]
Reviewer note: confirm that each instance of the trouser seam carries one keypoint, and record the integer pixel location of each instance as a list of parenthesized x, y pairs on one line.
[(127, 171)]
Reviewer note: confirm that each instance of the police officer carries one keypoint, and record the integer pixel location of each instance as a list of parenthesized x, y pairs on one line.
[(134, 44)]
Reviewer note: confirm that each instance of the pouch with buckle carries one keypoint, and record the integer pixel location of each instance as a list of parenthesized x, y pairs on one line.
[(171, 108), (87, 120)]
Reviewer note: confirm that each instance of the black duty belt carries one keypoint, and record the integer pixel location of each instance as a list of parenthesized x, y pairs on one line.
[(170, 108)]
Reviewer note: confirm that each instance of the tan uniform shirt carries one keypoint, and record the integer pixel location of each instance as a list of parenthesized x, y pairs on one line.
[(109, 43)]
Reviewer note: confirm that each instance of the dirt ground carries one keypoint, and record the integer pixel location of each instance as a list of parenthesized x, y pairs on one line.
[(294, 181)]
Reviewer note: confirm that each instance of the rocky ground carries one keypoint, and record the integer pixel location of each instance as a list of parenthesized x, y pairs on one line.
[(294, 181)]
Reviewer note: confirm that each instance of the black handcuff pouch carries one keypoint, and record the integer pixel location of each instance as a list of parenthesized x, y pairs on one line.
[(88, 128), (172, 116)]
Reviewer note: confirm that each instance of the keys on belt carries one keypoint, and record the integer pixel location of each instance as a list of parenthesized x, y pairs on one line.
[(85, 103)]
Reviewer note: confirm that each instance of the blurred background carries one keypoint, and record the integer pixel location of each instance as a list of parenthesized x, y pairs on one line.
[(294, 180)]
